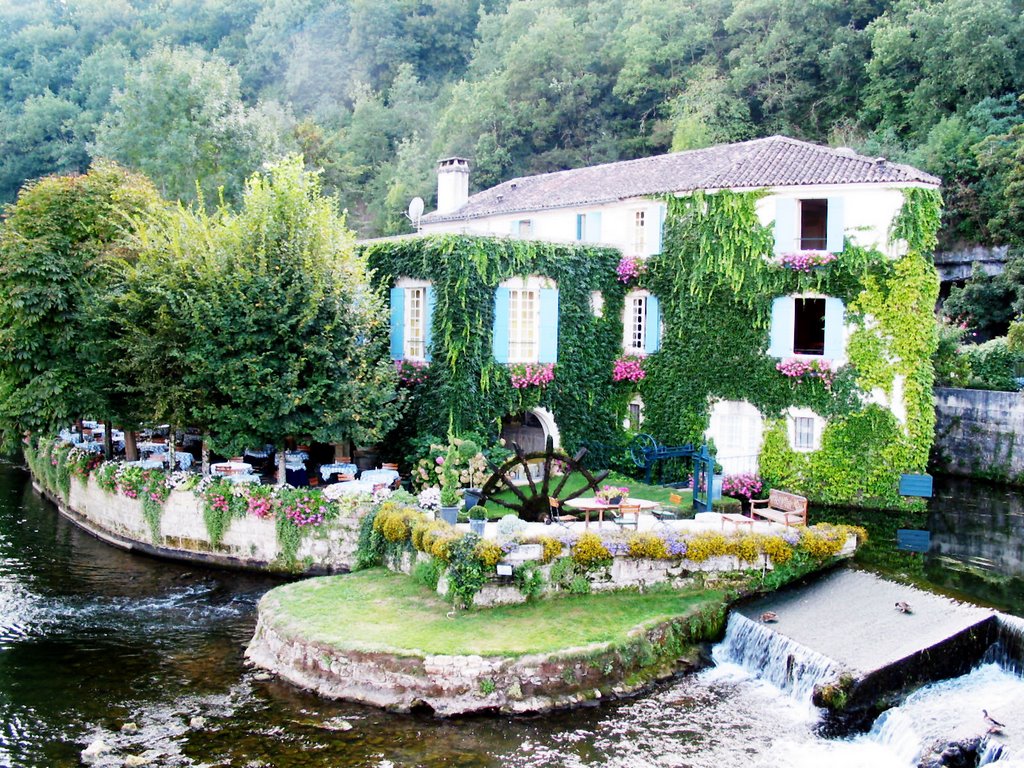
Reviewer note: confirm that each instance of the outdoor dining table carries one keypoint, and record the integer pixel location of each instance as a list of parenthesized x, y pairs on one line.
[(231, 468), (352, 487), (326, 470), (183, 459), (379, 476), (592, 504), (145, 463)]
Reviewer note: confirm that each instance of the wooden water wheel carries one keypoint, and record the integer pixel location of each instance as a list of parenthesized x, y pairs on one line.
[(531, 502)]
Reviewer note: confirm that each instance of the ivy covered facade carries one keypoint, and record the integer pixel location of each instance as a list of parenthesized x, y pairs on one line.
[(792, 324)]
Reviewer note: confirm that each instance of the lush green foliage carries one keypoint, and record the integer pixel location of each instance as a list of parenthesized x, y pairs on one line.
[(465, 390), (716, 289), (56, 246), (993, 365), (256, 325), (520, 86)]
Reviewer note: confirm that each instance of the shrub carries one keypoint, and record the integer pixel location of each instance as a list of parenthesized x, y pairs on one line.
[(747, 548), (552, 548), (489, 553), (776, 548), (823, 541), (510, 527), (647, 545), (427, 573), (706, 545), (590, 552), (530, 580), (466, 574), (396, 523)]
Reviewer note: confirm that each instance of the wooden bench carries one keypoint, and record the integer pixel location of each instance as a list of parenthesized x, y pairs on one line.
[(781, 507)]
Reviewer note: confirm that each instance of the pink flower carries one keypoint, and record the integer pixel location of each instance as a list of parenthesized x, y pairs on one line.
[(796, 368), (439, 460), (628, 369), (804, 261), (629, 268), (532, 375)]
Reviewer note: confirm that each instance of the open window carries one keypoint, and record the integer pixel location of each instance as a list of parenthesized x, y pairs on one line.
[(641, 322), (809, 326), (813, 225)]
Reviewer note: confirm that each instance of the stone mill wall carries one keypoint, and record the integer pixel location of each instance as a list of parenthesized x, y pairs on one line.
[(979, 433)]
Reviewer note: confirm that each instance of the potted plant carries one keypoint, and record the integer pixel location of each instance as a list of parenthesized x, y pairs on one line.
[(477, 520), (612, 494), (450, 499)]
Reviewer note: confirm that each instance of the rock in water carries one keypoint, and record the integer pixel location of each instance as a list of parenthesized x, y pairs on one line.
[(135, 760), (197, 722), (94, 751), (129, 728)]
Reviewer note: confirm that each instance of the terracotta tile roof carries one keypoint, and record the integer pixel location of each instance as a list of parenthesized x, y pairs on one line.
[(776, 161)]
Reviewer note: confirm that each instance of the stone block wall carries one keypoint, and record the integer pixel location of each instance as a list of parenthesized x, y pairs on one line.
[(248, 542), (979, 433)]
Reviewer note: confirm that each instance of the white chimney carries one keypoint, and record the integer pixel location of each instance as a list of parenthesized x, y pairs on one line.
[(452, 183)]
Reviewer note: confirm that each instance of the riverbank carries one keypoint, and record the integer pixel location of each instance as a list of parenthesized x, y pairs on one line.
[(379, 638)]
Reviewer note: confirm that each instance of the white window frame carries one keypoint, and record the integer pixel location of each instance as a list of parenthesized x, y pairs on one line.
[(524, 228), (795, 424), (634, 323), (635, 405), (523, 325), (415, 333), (640, 231)]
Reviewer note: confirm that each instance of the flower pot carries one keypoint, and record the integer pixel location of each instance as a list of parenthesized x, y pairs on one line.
[(450, 515), (615, 499), (477, 527), (472, 496)]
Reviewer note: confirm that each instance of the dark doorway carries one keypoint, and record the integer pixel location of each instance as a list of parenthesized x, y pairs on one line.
[(525, 430)]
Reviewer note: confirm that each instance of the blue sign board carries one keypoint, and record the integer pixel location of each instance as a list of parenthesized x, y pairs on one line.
[(909, 540), (916, 485)]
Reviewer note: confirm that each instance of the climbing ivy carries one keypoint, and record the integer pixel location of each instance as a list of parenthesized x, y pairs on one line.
[(464, 389), (716, 285)]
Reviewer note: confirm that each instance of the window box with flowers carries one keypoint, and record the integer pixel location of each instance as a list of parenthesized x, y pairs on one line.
[(629, 269), (798, 369), (804, 261), (628, 368), (526, 375)]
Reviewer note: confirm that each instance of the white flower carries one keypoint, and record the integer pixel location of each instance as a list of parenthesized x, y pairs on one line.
[(429, 498)]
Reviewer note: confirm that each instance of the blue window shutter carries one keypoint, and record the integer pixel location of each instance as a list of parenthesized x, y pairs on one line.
[(785, 225), (593, 227), (834, 322), (499, 345), (428, 320), (581, 225), (834, 225), (783, 316), (659, 231), (514, 228), (652, 325), (547, 348), (397, 323)]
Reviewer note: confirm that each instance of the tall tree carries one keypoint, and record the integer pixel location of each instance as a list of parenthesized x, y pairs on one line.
[(180, 119), (55, 245)]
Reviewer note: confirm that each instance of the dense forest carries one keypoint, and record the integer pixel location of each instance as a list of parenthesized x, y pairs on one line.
[(374, 91)]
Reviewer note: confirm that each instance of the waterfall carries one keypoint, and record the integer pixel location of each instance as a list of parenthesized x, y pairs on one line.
[(773, 657), (1008, 649)]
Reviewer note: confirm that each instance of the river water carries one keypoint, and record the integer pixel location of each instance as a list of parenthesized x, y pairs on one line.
[(92, 638)]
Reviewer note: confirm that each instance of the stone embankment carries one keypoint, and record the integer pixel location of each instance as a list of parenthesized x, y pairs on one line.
[(248, 543)]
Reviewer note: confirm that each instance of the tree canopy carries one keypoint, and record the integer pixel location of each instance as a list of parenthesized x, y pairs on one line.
[(374, 91)]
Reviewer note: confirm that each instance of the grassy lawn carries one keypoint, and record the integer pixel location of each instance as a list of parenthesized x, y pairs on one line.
[(384, 611), (637, 489)]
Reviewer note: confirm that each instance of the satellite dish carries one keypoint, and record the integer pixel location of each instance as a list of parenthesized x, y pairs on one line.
[(415, 211)]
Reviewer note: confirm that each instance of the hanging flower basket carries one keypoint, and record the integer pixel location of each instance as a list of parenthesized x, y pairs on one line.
[(629, 269)]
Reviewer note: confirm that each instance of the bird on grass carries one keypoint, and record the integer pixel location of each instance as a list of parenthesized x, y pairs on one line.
[(994, 726), (903, 607), (769, 617)]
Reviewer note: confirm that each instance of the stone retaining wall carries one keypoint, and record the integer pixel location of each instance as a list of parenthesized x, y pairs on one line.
[(456, 685), (249, 542), (979, 433)]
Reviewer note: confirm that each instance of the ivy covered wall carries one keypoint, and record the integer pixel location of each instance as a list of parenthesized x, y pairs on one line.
[(463, 389), (717, 288)]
